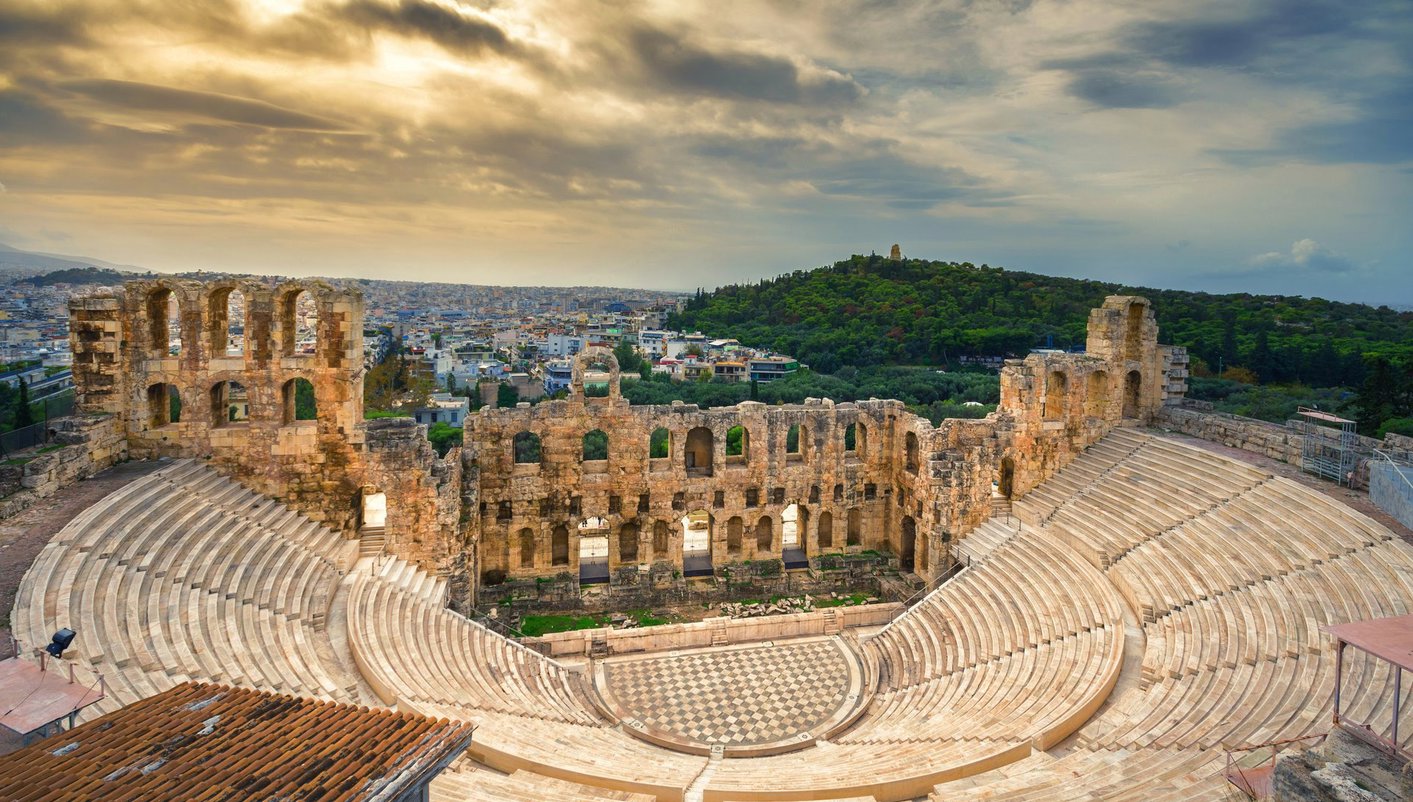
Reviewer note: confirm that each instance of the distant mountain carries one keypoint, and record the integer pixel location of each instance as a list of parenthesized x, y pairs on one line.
[(42, 269), (869, 310)]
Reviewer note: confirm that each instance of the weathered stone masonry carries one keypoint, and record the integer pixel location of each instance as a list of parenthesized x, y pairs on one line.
[(906, 488)]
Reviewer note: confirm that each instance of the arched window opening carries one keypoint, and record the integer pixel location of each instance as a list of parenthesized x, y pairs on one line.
[(527, 448), (738, 445), (1057, 396), (661, 540), (696, 543), (911, 448), (906, 551), (1133, 394), (861, 440), (734, 529), (527, 548), (1096, 397), (826, 530), (1005, 484), (230, 403), (851, 439), (1133, 336), (794, 445), (697, 453), (164, 323), (559, 545), (225, 316), (299, 322), (595, 446), (164, 405), (765, 534), (854, 533), (299, 401), (628, 543), (660, 443), (790, 527), (373, 511)]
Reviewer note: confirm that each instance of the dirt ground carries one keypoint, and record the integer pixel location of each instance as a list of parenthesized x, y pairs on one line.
[(23, 536)]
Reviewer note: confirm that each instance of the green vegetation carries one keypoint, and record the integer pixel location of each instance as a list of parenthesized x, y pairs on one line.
[(843, 601), (77, 275), (506, 396), (375, 414), (658, 443), (926, 391), (443, 436), (869, 310), (596, 445), (1275, 403), (532, 626)]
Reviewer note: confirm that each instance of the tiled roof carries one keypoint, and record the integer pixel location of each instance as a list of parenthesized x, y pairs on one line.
[(212, 742)]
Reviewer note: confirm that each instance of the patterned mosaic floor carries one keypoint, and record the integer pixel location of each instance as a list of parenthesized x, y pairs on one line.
[(754, 698)]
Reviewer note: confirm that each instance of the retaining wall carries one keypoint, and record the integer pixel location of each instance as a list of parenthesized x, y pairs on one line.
[(1391, 491)]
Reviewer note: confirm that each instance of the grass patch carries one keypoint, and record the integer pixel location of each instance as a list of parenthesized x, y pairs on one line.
[(843, 601), (533, 626)]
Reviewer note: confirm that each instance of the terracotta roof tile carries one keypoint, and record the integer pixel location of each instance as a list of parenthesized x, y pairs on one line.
[(211, 742)]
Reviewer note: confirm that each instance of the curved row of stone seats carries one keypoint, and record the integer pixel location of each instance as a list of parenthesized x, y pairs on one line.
[(1232, 600), (1041, 693), (1100, 457), (994, 608), (600, 756), (464, 781), (1146, 775), (175, 577), (411, 648), (986, 538)]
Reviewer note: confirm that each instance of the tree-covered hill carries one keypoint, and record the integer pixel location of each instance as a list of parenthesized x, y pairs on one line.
[(870, 310)]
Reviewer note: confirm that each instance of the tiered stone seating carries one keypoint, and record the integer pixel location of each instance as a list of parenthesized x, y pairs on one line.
[(184, 574), (1232, 597), (464, 781), (533, 715)]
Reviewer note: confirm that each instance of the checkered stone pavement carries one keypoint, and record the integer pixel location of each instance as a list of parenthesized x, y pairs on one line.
[(748, 696)]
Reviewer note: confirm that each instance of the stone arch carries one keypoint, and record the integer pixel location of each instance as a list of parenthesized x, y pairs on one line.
[(660, 443), (911, 452), (734, 529), (907, 549), (738, 445), (662, 540), (628, 543), (583, 361), (698, 451), (299, 401), (160, 302), (1057, 396), (164, 405), (765, 534), (854, 532), (526, 448), (793, 522), (230, 403), (526, 538), (226, 321), (1133, 394), (795, 438), (1006, 480), (372, 509), (1133, 331), (299, 322), (595, 445), (696, 543), (1096, 396), (825, 530), (559, 545)]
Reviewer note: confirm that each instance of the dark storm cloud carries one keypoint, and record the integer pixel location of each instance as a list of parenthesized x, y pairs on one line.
[(1381, 134), (1239, 42), (1119, 90), (150, 97), (683, 66), (418, 18)]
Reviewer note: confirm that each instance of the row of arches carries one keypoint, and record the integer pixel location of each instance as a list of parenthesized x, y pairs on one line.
[(699, 448), (1056, 404), (226, 323), (697, 532), (229, 403)]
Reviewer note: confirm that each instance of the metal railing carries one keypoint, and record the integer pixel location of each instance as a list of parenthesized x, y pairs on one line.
[(1253, 780), (37, 433)]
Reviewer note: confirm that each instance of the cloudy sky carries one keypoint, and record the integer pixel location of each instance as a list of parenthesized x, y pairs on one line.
[(1260, 146)]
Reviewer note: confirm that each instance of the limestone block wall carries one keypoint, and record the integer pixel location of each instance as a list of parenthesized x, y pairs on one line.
[(87, 444), (423, 522), (1391, 488)]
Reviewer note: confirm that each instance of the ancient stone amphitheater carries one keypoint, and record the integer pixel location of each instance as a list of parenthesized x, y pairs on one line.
[(1142, 605)]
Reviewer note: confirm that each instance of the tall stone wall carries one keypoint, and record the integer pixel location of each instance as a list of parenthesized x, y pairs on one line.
[(125, 368), (86, 444)]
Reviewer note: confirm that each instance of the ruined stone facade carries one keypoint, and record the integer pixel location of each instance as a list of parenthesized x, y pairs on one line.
[(640, 488)]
